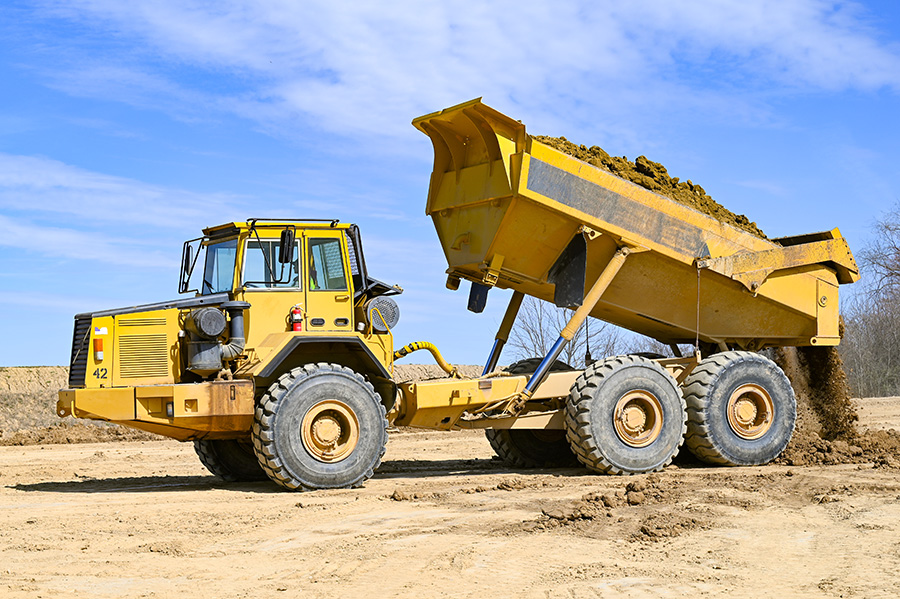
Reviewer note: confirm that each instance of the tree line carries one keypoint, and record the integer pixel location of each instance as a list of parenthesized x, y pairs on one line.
[(871, 311)]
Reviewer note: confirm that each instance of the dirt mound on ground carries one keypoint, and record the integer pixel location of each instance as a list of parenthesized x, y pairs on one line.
[(599, 509), (28, 397), (32, 379), (826, 431), (77, 432), (653, 176)]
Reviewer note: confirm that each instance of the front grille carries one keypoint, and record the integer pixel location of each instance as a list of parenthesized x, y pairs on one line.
[(141, 322), (78, 362), (143, 356)]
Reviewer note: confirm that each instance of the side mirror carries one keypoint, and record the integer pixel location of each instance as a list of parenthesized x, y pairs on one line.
[(286, 252)]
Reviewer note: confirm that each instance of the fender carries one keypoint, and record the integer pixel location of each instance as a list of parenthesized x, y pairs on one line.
[(359, 357)]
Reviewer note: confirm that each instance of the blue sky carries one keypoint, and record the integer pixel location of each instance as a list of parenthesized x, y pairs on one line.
[(125, 127)]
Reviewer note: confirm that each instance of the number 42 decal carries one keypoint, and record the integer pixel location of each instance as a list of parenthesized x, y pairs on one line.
[(100, 373)]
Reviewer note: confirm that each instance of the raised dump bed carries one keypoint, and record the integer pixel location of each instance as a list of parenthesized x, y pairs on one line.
[(514, 213)]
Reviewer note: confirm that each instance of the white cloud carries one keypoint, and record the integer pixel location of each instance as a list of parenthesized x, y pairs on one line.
[(63, 211), (823, 44), (367, 70), (70, 244), (36, 184)]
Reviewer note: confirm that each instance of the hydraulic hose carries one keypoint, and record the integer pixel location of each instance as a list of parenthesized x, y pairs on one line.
[(417, 345)]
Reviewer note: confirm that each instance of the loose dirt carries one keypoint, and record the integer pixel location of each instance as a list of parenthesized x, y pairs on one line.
[(441, 518), (826, 431), (653, 176)]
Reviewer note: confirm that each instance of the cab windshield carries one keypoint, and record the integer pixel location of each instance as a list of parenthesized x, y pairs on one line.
[(218, 274)]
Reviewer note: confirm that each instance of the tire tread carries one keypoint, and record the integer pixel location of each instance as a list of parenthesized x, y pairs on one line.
[(263, 434)]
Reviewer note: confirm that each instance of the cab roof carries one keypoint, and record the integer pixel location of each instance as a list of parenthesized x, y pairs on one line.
[(233, 228)]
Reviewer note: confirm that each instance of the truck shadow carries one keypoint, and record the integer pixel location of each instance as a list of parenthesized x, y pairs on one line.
[(143, 484), (389, 470)]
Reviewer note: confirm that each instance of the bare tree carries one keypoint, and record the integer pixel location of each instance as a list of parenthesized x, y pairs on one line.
[(881, 256), (871, 344), (538, 326)]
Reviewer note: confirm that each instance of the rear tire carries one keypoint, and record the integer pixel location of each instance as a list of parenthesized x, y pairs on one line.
[(741, 409), (529, 365), (232, 460), (321, 426), (532, 448), (625, 415)]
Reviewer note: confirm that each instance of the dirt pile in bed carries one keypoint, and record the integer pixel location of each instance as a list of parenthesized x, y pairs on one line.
[(826, 431), (653, 176)]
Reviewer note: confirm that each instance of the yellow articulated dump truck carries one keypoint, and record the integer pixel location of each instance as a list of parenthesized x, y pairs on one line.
[(281, 364)]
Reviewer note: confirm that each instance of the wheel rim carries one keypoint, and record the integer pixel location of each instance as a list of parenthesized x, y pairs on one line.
[(330, 431), (638, 418), (750, 411)]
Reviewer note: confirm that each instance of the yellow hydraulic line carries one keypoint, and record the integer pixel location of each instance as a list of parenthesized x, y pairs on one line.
[(417, 345)]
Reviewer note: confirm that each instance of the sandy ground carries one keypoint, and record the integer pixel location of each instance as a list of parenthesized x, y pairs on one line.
[(442, 518)]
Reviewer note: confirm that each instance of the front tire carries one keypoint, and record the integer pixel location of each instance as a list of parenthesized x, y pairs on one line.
[(625, 415), (741, 409), (321, 426), (232, 460)]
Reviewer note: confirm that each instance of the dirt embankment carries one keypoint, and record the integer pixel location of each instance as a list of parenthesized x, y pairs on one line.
[(653, 176), (28, 411), (424, 372)]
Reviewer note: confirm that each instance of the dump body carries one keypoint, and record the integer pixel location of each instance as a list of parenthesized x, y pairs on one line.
[(512, 212)]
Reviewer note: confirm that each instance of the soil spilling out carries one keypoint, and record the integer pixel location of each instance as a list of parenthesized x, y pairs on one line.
[(653, 176), (826, 431)]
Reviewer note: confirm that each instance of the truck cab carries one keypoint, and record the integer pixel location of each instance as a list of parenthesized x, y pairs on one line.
[(260, 298)]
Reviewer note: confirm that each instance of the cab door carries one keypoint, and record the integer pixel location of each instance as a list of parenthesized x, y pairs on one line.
[(329, 297)]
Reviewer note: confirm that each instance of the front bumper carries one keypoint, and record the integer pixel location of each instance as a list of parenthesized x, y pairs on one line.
[(219, 409)]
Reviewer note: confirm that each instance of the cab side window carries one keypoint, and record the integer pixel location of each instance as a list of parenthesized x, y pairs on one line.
[(261, 262), (326, 265)]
